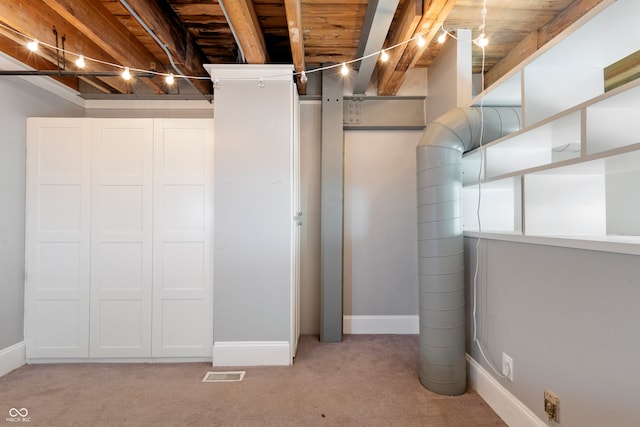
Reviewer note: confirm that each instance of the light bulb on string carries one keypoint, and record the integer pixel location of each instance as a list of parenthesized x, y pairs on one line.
[(442, 37), (421, 41), (126, 74), (384, 56), (80, 62), (303, 77), (169, 79), (33, 45), (481, 41), (344, 70)]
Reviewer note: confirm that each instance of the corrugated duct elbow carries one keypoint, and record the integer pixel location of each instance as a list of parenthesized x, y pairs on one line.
[(440, 240)]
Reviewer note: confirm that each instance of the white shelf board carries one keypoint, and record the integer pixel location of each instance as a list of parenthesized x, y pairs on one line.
[(616, 244), (536, 146)]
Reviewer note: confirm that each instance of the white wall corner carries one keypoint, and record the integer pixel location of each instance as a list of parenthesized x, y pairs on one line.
[(251, 353), (12, 358), (380, 324), (506, 405)]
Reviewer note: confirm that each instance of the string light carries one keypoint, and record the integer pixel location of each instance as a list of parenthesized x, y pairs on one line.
[(481, 41), (170, 78), (33, 45), (261, 82)]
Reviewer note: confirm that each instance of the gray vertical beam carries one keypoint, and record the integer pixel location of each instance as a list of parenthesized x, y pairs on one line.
[(331, 209)]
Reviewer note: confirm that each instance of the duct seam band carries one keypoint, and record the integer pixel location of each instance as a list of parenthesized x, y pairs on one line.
[(445, 292), (441, 274), (441, 256), (443, 346), (439, 220)]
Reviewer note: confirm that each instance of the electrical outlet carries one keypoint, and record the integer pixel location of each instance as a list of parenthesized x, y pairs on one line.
[(552, 406), (507, 367)]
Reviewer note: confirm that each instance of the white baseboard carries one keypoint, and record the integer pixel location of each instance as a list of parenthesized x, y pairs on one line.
[(251, 353), (506, 405), (380, 324), (12, 358)]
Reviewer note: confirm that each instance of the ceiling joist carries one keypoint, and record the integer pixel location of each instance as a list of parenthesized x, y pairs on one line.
[(405, 29), (21, 17), (430, 23), (94, 21), (168, 28), (293, 11), (242, 19)]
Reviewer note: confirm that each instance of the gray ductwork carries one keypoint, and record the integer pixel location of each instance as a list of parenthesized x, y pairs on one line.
[(440, 240)]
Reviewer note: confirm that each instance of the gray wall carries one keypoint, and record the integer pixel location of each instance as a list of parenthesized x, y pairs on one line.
[(253, 215), (380, 217), (380, 252), (18, 100), (310, 143), (569, 318)]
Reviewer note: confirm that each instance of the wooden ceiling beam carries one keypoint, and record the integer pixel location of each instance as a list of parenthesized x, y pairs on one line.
[(536, 39), (22, 16), (168, 27), (405, 29), (434, 14), (104, 29), (293, 11), (16, 49), (243, 20)]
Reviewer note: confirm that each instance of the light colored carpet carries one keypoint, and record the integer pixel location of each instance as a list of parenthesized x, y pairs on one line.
[(366, 380)]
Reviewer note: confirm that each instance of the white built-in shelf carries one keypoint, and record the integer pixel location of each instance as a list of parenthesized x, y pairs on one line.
[(573, 172)]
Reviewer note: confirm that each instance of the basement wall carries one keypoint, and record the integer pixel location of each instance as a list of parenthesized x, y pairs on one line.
[(568, 318)]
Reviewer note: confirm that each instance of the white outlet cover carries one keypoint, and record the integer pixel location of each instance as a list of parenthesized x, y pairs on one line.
[(507, 366)]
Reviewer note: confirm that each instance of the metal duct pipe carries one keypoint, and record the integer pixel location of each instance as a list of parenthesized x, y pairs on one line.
[(440, 240)]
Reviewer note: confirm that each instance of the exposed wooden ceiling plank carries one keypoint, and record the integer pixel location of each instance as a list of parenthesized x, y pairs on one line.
[(166, 25), (526, 47), (377, 23), (405, 29), (242, 18), (432, 19), (95, 21), (21, 17), (15, 48), (293, 11)]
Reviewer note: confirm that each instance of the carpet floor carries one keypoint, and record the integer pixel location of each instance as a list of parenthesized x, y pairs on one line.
[(366, 380)]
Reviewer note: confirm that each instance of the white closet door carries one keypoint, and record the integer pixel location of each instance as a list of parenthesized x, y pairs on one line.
[(57, 238), (121, 237), (182, 268)]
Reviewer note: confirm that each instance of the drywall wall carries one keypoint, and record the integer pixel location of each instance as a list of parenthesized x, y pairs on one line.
[(449, 89), (380, 213), (568, 318), (310, 143), (19, 99), (253, 212)]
